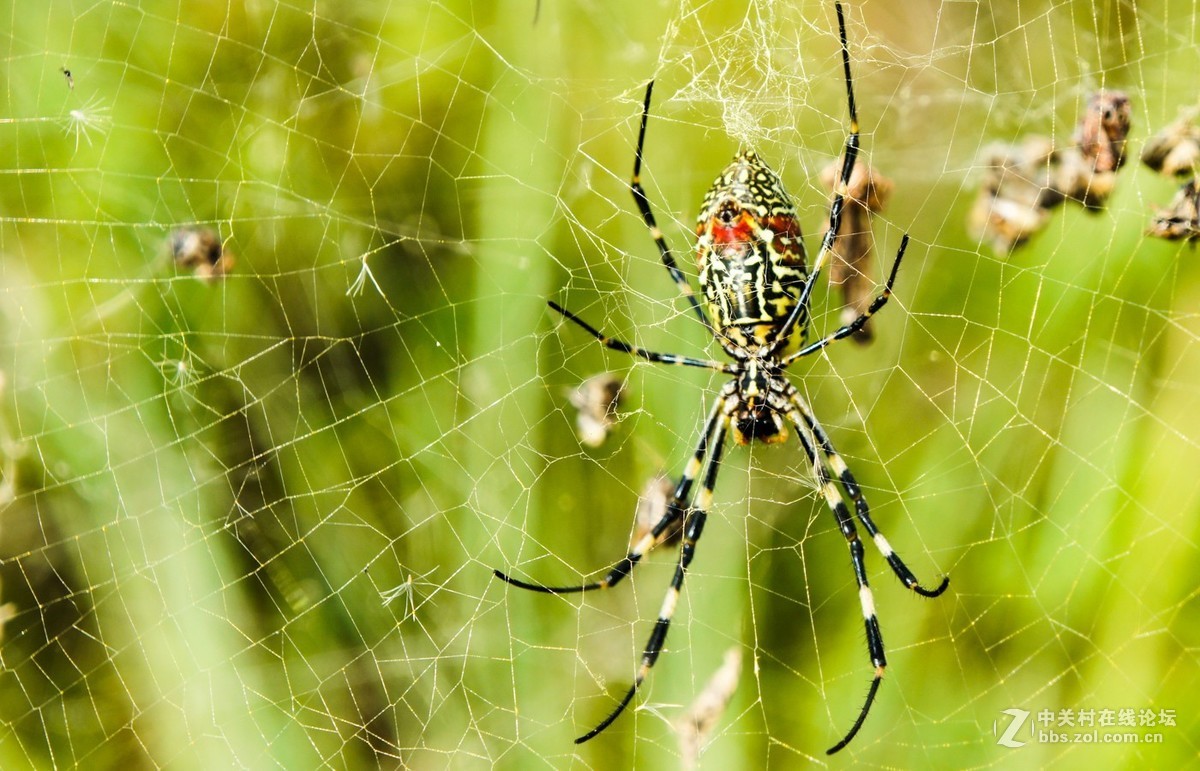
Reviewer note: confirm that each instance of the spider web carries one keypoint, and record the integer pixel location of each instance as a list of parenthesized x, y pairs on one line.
[(250, 520)]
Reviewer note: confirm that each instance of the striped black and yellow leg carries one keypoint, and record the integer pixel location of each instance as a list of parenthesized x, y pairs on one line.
[(643, 204), (675, 510), (652, 356), (836, 504), (687, 550), (850, 155), (850, 484), (857, 323)]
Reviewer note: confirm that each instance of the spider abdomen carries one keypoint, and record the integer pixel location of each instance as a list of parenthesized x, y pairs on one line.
[(750, 253)]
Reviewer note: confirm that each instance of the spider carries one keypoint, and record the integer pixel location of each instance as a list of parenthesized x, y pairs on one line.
[(753, 274)]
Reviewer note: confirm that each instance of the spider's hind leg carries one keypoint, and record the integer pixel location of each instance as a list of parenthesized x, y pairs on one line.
[(799, 314), (643, 204)]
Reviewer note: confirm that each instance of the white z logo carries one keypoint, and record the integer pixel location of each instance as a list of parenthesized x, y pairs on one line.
[(1018, 719)]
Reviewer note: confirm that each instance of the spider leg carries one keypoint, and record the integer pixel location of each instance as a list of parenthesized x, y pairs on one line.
[(836, 504), (675, 510), (850, 152), (651, 356), (857, 323), (643, 204), (850, 484), (687, 550)]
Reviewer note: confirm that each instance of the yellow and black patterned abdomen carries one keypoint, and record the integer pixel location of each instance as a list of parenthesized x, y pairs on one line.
[(751, 255)]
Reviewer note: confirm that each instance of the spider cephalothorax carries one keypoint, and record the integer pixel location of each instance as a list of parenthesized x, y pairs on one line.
[(758, 403), (754, 278)]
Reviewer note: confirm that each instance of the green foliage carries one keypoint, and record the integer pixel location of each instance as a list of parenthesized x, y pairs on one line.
[(251, 521)]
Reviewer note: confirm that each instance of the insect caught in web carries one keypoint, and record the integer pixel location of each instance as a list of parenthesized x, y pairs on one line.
[(753, 273)]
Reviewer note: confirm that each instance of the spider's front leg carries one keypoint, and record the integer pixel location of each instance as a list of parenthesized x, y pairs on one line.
[(712, 435), (861, 509), (675, 507), (687, 550), (811, 436), (846, 525), (675, 510)]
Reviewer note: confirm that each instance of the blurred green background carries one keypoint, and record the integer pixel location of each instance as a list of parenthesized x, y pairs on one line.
[(212, 489)]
